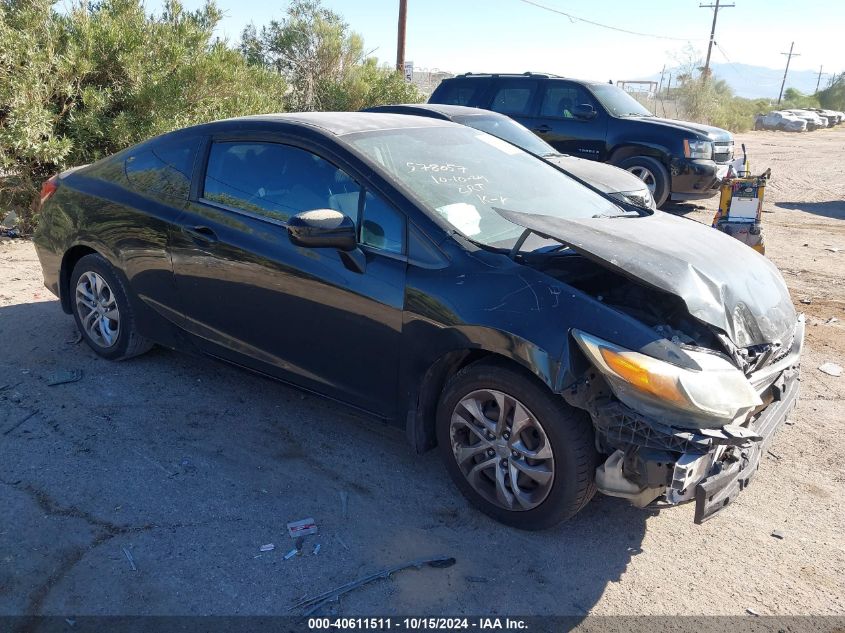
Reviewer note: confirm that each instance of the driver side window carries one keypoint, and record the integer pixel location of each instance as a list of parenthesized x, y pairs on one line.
[(559, 100), (276, 181)]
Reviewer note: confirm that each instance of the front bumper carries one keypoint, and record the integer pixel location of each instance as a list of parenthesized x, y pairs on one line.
[(710, 466), (695, 179), (718, 489)]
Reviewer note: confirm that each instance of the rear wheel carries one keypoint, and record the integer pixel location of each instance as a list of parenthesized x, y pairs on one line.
[(652, 172), (515, 450), (102, 310)]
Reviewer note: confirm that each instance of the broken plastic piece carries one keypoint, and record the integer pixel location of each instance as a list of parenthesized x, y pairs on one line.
[(291, 554), (831, 369), (267, 548), (302, 528), (62, 377)]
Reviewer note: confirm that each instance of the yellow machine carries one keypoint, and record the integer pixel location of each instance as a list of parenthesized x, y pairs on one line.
[(741, 204)]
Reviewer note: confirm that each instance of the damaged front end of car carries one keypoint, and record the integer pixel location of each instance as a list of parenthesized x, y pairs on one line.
[(668, 453), (693, 424)]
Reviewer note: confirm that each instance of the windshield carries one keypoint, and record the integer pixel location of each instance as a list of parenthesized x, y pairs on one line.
[(462, 175), (617, 101), (509, 130)]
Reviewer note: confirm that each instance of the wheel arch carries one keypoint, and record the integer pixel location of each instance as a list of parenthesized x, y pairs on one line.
[(69, 260), (422, 405), (624, 152)]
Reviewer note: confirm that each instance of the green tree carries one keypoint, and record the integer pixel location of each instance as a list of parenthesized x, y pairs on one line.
[(794, 98), (833, 97), (80, 85), (323, 61)]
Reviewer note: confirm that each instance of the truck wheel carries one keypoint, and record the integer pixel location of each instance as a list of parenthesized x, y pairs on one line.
[(514, 449), (102, 311), (652, 173)]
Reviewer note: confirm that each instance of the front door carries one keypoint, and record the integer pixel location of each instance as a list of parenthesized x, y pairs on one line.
[(558, 124), (301, 314)]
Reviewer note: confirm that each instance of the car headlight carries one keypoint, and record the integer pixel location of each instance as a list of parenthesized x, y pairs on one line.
[(640, 198), (698, 149), (713, 396)]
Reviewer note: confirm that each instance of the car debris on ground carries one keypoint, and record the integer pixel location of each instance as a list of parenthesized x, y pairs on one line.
[(63, 376), (315, 602), (831, 369), (778, 534), (267, 548), (304, 527), (131, 560)]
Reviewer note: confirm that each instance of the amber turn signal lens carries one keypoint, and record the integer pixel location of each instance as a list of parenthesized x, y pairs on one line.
[(663, 387)]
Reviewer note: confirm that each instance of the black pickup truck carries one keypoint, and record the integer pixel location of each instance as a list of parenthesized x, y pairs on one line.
[(678, 160)]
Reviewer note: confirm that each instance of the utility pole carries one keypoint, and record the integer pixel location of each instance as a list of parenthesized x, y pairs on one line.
[(715, 8), (660, 87), (819, 80), (400, 40), (789, 57)]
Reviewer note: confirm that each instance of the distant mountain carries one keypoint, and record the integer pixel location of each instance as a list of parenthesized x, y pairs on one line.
[(757, 81)]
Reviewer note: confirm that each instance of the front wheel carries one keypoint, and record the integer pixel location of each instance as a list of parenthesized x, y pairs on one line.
[(102, 310), (515, 450), (652, 172)]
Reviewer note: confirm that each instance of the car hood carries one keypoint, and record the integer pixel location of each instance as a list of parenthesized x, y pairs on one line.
[(713, 133), (723, 283), (603, 177)]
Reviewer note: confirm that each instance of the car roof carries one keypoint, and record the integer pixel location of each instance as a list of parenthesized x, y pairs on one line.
[(526, 75), (330, 123), (437, 110)]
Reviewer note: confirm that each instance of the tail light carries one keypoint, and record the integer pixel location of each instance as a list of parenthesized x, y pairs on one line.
[(48, 189)]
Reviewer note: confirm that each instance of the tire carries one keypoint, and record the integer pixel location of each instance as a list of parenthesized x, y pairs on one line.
[(102, 310), (555, 428), (653, 173)]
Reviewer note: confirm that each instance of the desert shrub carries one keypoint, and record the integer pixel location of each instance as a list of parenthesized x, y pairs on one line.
[(833, 97), (84, 83), (323, 61)]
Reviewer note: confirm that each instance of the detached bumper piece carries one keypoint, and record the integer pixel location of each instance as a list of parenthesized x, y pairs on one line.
[(718, 489)]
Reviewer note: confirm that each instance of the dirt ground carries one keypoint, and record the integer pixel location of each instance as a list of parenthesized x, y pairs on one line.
[(190, 466)]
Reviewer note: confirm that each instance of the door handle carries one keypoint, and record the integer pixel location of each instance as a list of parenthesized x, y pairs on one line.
[(542, 129), (200, 234)]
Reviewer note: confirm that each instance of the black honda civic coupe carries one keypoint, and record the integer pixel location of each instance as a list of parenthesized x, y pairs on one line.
[(548, 340)]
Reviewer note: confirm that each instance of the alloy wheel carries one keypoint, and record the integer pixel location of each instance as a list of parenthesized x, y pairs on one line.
[(644, 174), (502, 450), (97, 309)]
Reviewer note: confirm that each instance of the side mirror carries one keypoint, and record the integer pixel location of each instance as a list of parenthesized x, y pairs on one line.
[(323, 228), (584, 111)]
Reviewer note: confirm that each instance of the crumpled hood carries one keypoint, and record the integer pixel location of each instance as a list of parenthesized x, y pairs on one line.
[(713, 133), (602, 176), (723, 282)]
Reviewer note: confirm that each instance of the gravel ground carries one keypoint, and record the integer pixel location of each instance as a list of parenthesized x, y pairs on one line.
[(191, 466)]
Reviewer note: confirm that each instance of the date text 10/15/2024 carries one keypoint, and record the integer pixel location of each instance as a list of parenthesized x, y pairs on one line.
[(417, 624)]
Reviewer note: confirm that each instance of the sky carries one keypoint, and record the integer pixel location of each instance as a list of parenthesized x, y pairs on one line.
[(517, 36)]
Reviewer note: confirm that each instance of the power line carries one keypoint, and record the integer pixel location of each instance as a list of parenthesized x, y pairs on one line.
[(789, 57), (575, 18), (715, 8)]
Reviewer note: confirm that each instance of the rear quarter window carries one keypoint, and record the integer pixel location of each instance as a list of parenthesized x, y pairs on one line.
[(162, 169), (459, 91)]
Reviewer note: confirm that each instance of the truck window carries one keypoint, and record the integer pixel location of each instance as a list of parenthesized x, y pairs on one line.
[(459, 91), (559, 100), (514, 97)]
